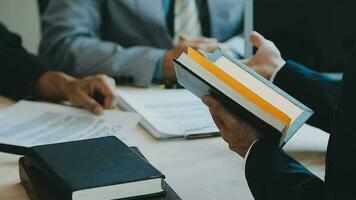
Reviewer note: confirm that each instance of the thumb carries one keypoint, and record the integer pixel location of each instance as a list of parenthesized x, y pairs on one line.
[(183, 37), (257, 39)]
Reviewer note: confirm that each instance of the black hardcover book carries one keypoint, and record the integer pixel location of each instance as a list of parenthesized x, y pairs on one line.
[(38, 187), (100, 168)]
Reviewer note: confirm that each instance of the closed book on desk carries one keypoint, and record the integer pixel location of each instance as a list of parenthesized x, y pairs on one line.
[(38, 187), (243, 92), (101, 168)]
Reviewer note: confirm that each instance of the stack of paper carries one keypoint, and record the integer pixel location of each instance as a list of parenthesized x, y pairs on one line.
[(28, 124), (172, 113)]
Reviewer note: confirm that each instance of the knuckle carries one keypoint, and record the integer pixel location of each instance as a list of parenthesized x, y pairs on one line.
[(101, 77)]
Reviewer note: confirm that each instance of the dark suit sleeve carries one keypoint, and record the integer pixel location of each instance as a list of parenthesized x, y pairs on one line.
[(18, 69), (317, 91), (273, 175)]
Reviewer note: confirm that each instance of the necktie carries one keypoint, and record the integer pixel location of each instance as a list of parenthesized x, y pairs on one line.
[(186, 19)]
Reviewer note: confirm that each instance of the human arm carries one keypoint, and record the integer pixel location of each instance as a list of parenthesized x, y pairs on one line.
[(19, 69), (24, 76), (270, 172), (94, 93), (72, 42), (317, 91), (273, 174)]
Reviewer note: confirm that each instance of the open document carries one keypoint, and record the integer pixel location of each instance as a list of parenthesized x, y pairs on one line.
[(168, 113), (28, 124)]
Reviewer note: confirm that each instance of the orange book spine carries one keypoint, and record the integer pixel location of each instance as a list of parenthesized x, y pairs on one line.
[(239, 87)]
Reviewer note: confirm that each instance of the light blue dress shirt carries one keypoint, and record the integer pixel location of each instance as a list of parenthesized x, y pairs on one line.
[(158, 75)]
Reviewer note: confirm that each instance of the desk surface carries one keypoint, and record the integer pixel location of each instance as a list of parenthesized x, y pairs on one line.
[(195, 169)]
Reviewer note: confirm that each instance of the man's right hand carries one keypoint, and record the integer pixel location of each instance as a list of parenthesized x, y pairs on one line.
[(267, 59), (204, 44)]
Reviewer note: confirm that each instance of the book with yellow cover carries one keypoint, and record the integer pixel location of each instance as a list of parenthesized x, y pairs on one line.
[(242, 91)]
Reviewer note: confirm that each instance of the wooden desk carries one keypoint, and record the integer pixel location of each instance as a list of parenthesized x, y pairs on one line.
[(195, 169)]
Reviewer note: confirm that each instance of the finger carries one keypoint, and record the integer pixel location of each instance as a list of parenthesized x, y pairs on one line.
[(217, 120), (231, 121), (249, 62), (245, 61), (106, 87), (199, 39), (207, 100), (257, 39), (84, 100), (224, 132), (205, 40), (214, 106), (204, 44), (221, 126), (216, 109), (183, 37), (227, 134), (209, 47)]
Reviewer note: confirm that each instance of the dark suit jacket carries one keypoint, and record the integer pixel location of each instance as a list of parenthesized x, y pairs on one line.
[(315, 33), (273, 174), (18, 69)]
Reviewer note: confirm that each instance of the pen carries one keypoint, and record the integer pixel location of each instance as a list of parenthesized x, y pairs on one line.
[(199, 136)]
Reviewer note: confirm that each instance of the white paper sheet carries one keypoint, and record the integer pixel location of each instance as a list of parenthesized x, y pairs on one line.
[(32, 123), (175, 112)]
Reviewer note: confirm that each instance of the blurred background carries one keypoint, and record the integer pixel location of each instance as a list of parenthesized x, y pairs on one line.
[(315, 33), (22, 17)]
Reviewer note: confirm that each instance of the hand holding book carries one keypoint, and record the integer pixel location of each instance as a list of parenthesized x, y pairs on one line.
[(204, 44), (243, 92), (239, 134)]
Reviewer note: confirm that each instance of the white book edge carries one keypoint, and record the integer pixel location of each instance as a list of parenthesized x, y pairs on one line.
[(120, 191), (149, 126), (258, 87)]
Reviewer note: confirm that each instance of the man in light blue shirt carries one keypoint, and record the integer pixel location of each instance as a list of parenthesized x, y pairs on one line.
[(136, 40)]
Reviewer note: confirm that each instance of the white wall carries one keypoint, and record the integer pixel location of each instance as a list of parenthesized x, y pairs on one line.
[(22, 17)]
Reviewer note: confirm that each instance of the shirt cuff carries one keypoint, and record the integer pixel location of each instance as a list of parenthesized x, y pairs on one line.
[(275, 73), (247, 153), (158, 73)]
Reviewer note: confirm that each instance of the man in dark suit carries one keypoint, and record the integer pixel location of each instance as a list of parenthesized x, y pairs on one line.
[(24, 76), (271, 173)]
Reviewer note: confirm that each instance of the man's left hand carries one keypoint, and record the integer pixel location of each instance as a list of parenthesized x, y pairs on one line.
[(94, 93)]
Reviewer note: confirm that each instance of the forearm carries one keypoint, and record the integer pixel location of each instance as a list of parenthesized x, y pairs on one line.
[(19, 73), (72, 42), (83, 56), (280, 175)]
